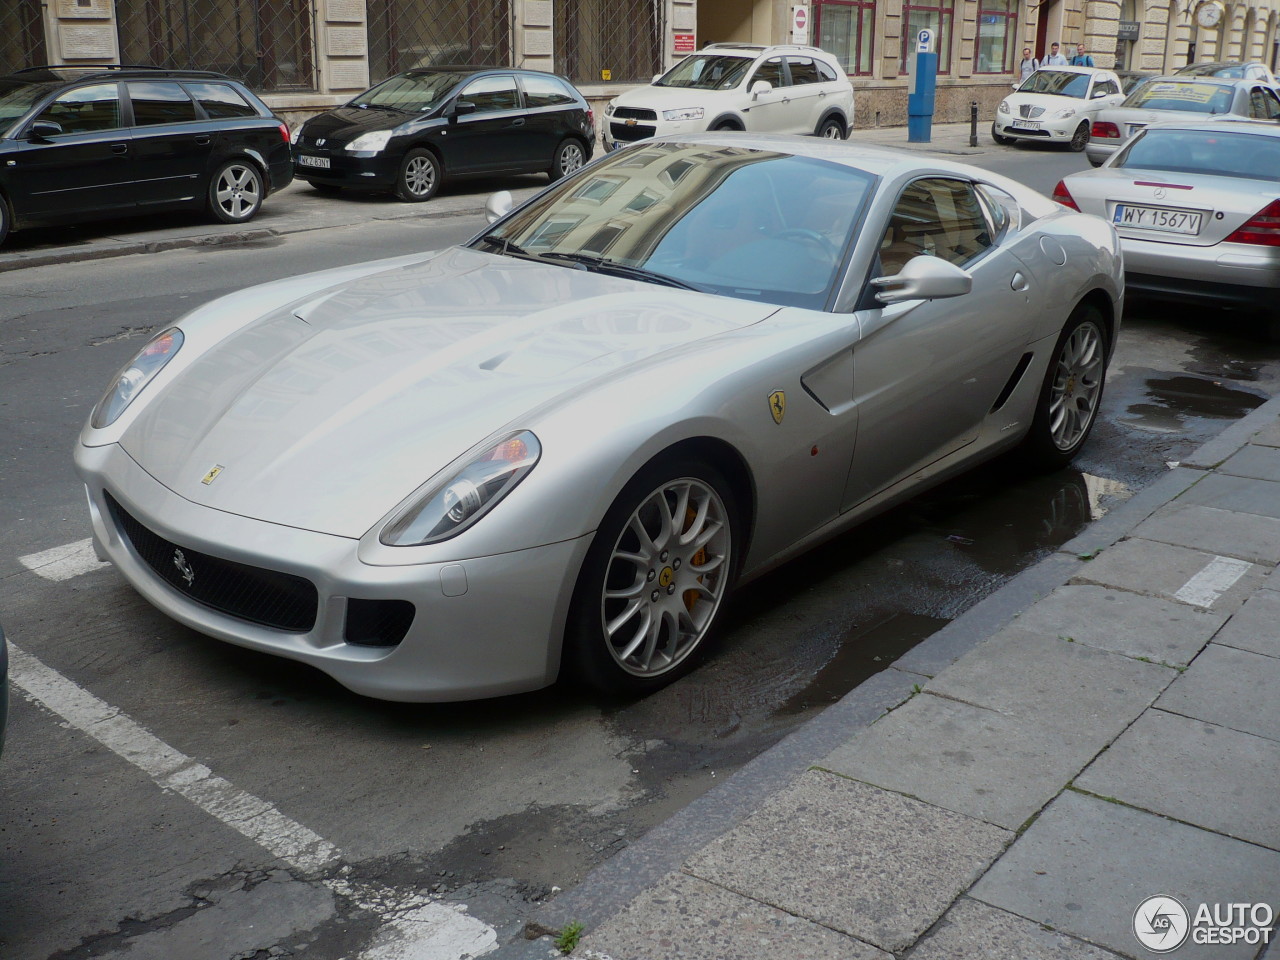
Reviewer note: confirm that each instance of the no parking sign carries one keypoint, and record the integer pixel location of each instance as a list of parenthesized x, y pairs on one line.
[(799, 24)]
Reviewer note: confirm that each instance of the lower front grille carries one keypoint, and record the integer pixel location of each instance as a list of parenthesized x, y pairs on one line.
[(623, 133), (267, 597)]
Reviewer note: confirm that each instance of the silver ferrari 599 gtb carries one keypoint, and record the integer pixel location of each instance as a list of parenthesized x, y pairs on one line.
[(557, 448)]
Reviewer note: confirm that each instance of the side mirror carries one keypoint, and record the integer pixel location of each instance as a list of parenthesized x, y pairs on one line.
[(760, 87), (923, 278), (1014, 86), (1098, 95), (459, 108), (657, 77), (43, 129), (498, 206)]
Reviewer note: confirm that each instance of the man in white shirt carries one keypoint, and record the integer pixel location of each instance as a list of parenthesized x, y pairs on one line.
[(1055, 59)]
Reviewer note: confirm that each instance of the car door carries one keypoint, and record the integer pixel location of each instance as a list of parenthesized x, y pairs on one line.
[(548, 106), (768, 112), (171, 143), (806, 93), (495, 135), (82, 169), (927, 373)]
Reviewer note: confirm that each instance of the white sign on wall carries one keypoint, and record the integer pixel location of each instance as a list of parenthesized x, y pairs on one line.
[(799, 24)]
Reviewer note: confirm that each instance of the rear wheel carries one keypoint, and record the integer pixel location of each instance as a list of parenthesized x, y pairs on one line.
[(419, 176), (1072, 390), (654, 579), (570, 156), (831, 129), (1080, 139), (235, 192), (727, 125)]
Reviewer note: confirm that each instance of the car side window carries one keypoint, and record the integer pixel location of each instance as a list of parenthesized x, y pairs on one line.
[(85, 109), (156, 103), (1104, 88), (826, 71), (491, 94), (545, 92), (935, 217), (770, 70), (1263, 104), (221, 100), (803, 70)]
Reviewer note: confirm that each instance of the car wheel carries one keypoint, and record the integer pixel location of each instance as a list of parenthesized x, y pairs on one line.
[(654, 579), (726, 125), (1071, 392), (1001, 138), (419, 176), (235, 192), (5, 218), (1080, 139), (569, 157), (831, 129)]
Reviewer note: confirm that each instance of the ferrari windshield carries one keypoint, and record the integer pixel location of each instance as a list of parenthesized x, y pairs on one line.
[(1212, 153), (1058, 83), (706, 72), (752, 224), (411, 92)]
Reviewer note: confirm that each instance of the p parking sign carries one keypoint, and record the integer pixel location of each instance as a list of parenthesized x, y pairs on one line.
[(924, 41)]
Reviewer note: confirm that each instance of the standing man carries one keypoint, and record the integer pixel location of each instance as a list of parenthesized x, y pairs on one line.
[(1081, 59), (1028, 66), (1055, 59)]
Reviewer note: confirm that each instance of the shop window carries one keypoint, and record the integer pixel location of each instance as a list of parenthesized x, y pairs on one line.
[(405, 34), (934, 15), (995, 44), (846, 28)]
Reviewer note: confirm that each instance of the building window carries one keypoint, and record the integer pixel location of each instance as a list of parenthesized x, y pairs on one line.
[(997, 33), (934, 15), (404, 34), (21, 36), (265, 43), (621, 36), (846, 28)]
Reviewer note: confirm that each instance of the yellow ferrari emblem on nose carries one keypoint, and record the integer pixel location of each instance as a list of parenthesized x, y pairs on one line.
[(212, 475), (778, 405)]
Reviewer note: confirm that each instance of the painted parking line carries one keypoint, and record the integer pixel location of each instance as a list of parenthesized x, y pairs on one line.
[(63, 563), (417, 927), (1218, 576)]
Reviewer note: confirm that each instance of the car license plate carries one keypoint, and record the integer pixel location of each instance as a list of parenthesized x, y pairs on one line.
[(1157, 218), (305, 160), (1025, 124)]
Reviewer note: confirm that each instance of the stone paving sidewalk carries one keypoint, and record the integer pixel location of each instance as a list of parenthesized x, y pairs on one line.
[(1104, 729)]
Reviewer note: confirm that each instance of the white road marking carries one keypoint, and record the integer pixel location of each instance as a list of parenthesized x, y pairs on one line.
[(63, 563), (416, 928), (1218, 576)]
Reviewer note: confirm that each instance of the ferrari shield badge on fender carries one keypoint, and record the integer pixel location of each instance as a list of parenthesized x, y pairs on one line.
[(212, 475), (778, 405)]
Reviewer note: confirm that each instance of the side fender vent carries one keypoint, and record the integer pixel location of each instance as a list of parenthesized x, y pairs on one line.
[(1023, 362)]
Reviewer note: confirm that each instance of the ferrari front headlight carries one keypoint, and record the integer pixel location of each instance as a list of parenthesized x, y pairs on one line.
[(136, 374), (450, 507)]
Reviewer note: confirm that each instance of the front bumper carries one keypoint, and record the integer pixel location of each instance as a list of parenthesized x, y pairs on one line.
[(1049, 131), (482, 627), (617, 132), (346, 169), (1225, 274)]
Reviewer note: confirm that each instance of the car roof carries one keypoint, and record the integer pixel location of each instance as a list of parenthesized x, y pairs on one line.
[(1196, 78), (1261, 128), (755, 49), (62, 74), (462, 68)]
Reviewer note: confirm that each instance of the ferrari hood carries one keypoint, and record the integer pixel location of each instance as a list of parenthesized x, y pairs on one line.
[(327, 414)]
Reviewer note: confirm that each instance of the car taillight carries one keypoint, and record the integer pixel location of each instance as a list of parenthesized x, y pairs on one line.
[(284, 132), (1105, 130), (1263, 227), (1063, 196), (591, 117)]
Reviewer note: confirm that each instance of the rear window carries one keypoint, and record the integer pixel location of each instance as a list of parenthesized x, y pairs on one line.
[(545, 92), (1249, 156), (1191, 96), (221, 100)]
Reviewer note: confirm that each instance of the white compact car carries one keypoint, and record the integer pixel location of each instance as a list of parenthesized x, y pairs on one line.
[(729, 86), (1056, 104)]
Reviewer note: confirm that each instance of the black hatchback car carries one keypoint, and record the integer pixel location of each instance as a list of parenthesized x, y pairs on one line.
[(90, 142), (412, 130)]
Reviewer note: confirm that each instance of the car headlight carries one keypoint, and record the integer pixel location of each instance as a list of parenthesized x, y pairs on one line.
[(609, 108), (1066, 113), (472, 491), (370, 142), (1004, 107), (136, 374), (686, 113)]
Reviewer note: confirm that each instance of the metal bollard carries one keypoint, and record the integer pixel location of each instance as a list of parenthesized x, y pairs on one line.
[(973, 123)]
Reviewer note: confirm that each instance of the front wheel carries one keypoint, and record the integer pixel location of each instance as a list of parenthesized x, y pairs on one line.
[(419, 176), (570, 156), (235, 192), (1080, 139), (831, 129), (1072, 390), (654, 580)]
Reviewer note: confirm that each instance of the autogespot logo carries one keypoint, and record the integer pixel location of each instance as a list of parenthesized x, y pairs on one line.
[(1161, 924)]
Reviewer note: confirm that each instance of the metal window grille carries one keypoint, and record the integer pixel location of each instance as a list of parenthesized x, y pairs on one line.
[(621, 36), (265, 43), (404, 34), (21, 36)]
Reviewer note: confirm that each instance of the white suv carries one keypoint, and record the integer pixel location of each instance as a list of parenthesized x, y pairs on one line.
[(729, 86)]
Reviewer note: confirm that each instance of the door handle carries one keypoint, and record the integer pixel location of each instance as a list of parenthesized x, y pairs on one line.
[(119, 149), (1019, 282), (203, 139), (518, 122)]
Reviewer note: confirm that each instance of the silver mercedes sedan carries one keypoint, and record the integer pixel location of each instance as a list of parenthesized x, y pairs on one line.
[(1197, 207), (557, 449)]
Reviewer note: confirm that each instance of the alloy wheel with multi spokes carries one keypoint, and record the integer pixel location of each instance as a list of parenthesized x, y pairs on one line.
[(569, 158), (419, 176), (235, 192), (831, 129), (654, 580), (1072, 390)]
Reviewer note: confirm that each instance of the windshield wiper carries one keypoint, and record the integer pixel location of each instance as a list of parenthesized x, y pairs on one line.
[(507, 248), (380, 106), (613, 268)]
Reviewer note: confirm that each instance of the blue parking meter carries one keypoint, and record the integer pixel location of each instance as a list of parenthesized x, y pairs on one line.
[(922, 83)]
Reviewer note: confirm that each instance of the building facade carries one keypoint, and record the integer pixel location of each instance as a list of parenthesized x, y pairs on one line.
[(307, 55)]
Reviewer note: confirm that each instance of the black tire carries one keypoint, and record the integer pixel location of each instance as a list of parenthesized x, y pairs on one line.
[(663, 595), (1080, 138), (570, 156), (727, 125), (6, 219), (236, 190), (329, 188), (1067, 406), (419, 176), (1000, 138), (830, 129)]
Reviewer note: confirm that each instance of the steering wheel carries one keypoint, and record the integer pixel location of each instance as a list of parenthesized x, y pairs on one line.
[(811, 236)]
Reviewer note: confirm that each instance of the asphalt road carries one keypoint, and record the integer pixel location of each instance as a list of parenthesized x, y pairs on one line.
[(105, 851)]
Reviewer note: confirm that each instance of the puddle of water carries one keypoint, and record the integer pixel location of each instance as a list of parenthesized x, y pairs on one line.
[(1171, 401)]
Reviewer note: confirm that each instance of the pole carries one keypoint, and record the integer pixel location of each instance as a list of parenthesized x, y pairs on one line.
[(973, 123)]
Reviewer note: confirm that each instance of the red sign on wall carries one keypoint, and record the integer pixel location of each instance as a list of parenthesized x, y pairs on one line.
[(683, 43)]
